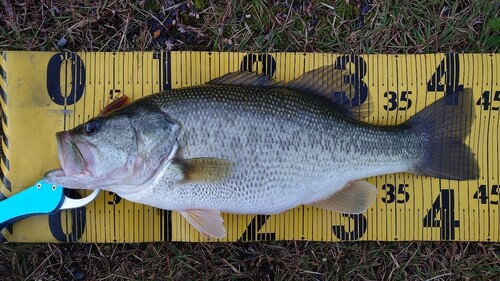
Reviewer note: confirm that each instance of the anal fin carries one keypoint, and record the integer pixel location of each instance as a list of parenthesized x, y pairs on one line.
[(208, 222), (354, 198)]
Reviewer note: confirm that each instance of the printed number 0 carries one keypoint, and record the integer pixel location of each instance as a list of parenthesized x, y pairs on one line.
[(78, 222), (54, 78)]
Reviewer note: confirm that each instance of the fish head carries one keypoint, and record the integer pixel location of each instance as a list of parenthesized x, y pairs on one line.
[(119, 151)]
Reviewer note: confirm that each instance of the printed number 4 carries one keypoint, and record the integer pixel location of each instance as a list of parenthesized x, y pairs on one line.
[(450, 69), (444, 205)]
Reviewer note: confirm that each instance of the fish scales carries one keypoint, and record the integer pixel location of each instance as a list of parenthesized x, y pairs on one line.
[(288, 148)]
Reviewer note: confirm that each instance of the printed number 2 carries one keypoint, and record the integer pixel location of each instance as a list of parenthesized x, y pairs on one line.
[(251, 233), (445, 206), (268, 63), (450, 68)]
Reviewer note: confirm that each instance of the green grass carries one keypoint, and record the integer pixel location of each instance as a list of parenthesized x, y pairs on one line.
[(268, 261), (333, 26), (404, 26)]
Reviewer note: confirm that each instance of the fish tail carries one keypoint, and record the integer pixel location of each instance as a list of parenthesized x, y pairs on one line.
[(444, 126)]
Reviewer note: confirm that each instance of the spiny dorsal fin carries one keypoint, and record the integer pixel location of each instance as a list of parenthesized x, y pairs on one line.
[(329, 82), (354, 198), (245, 78), (205, 170)]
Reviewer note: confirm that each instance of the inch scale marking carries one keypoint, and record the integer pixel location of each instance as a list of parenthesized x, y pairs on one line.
[(66, 89)]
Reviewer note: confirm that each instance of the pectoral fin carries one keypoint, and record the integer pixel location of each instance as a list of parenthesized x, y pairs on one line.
[(205, 170), (208, 222), (354, 198), (114, 105)]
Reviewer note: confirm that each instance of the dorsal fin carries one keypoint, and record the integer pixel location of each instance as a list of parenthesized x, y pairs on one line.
[(114, 105), (329, 82), (245, 78)]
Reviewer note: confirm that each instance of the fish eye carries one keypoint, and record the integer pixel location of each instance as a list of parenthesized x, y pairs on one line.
[(92, 126)]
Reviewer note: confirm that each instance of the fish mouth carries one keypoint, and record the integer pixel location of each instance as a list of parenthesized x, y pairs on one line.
[(75, 157), (78, 169)]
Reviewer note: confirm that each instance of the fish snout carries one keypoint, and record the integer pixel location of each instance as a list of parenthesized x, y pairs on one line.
[(70, 157)]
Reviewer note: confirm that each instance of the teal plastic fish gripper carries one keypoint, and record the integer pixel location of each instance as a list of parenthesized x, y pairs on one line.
[(41, 198)]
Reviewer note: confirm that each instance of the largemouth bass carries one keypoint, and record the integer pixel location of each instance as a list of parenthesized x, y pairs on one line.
[(244, 144)]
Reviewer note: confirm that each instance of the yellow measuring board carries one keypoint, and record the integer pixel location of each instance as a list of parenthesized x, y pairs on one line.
[(42, 93)]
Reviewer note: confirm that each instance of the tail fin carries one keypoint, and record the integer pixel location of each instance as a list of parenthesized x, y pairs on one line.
[(447, 126)]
